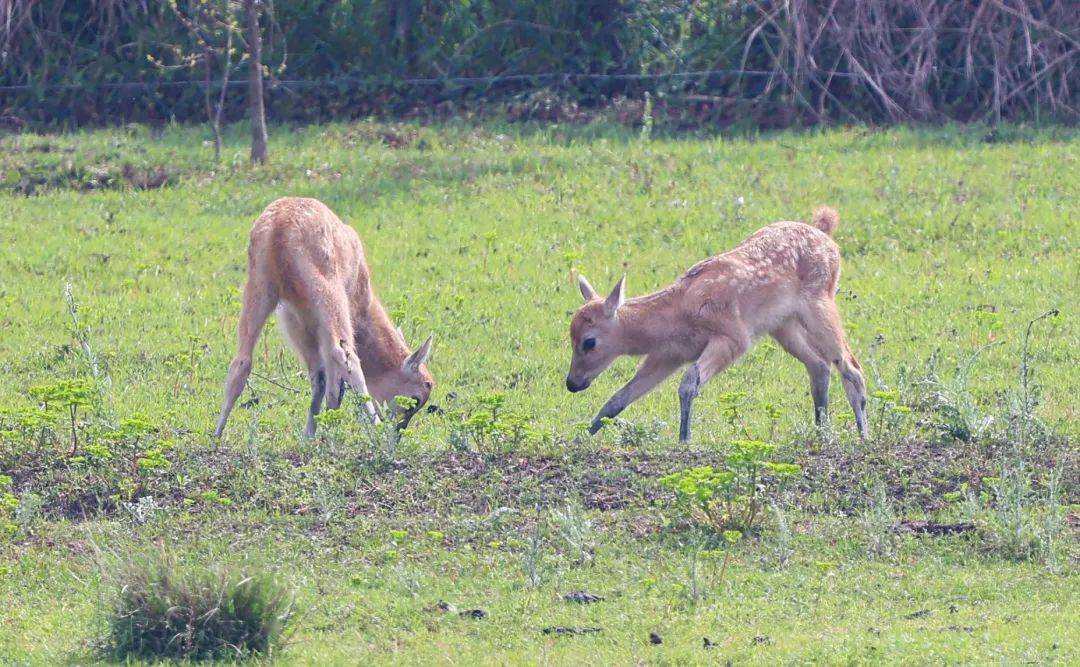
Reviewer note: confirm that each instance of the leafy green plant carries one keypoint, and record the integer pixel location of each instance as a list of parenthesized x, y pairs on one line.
[(954, 412), (639, 434), (731, 497), (729, 407), (891, 413), (22, 426), (9, 504), (492, 426), (731, 538), (67, 396)]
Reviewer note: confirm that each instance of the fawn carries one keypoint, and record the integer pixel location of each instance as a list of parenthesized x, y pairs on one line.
[(309, 265), (782, 281)]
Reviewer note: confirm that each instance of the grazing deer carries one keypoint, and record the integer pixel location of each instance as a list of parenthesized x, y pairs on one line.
[(309, 265), (781, 281)]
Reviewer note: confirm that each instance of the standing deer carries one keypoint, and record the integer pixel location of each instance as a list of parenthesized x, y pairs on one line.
[(781, 281), (309, 265)]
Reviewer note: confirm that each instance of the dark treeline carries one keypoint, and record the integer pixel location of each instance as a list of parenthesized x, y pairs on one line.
[(768, 62)]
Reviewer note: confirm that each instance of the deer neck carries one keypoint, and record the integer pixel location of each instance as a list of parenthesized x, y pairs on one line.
[(646, 322), (378, 344)]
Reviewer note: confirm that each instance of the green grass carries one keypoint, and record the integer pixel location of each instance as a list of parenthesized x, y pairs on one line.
[(932, 604), (952, 243)]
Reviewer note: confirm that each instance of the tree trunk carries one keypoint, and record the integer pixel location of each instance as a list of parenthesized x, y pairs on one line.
[(256, 110)]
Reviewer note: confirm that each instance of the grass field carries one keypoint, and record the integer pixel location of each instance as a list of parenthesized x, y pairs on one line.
[(953, 241)]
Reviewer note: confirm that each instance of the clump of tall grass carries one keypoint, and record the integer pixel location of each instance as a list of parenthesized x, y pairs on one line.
[(167, 611)]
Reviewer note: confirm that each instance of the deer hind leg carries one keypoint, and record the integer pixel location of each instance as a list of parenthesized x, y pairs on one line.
[(792, 336), (337, 348), (719, 353), (259, 302), (826, 334), (306, 345)]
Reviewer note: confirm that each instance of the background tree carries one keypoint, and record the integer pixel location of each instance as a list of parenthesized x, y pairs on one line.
[(210, 26), (256, 106)]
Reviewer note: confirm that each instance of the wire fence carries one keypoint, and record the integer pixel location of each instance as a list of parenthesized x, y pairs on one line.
[(567, 77), (813, 61)]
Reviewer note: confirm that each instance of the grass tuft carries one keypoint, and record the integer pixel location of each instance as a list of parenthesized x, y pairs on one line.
[(167, 611)]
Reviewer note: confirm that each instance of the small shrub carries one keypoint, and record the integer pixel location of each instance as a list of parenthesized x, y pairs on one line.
[(951, 407), (639, 435), (341, 430), (491, 426), (731, 497), (1013, 520), (164, 611), (68, 396)]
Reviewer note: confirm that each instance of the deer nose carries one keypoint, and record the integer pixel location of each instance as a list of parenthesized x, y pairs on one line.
[(574, 387)]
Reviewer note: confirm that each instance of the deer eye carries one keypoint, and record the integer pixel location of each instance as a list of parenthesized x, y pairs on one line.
[(588, 344), (427, 384)]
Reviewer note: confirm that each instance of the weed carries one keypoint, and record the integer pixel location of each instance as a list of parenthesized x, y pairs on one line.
[(164, 610), (647, 118), (1014, 520), (533, 552), (957, 416), (877, 520), (9, 506), (642, 435), (576, 529), (1023, 405), (142, 510), (781, 543), (82, 334), (67, 396), (731, 497), (491, 427)]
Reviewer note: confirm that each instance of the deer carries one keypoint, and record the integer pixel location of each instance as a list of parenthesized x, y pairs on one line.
[(309, 267), (782, 281)]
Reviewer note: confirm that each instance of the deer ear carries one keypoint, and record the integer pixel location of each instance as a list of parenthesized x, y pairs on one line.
[(414, 360), (586, 289), (616, 298)]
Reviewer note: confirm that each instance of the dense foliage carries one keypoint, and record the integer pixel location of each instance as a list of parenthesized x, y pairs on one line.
[(769, 63)]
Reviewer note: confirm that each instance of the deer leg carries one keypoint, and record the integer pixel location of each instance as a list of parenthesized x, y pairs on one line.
[(826, 334), (306, 345), (259, 302), (719, 353), (652, 371), (337, 346), (792, 337), (318, 390)]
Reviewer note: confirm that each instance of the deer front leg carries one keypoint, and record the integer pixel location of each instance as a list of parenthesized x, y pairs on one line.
[(720, 353), (650, 373), (318, 390)]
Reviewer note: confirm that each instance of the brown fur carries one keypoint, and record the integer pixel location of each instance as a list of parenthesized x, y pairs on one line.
[(309, 265), (780, 281)]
